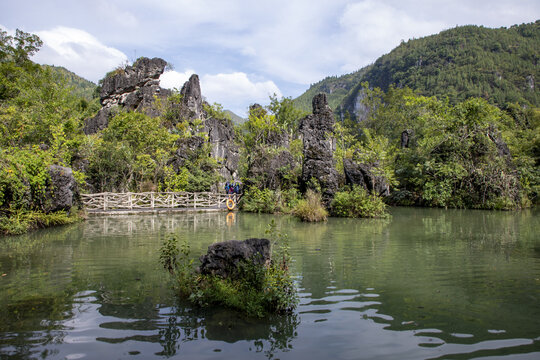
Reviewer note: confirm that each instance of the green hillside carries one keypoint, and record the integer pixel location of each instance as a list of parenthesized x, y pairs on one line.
[(337, 88), (499, 65), (81, 87), (236, 119)]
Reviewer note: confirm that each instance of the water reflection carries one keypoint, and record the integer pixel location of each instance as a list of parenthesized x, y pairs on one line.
[(425, 283)]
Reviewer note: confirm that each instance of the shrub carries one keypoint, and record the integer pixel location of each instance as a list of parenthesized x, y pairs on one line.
[(311, 208), (258, 290), (260, 200), (358, 203)]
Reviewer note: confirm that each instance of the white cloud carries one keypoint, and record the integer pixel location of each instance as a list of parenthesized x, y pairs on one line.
[(78, 51), (173, 79), (235, 91), (375, 28)]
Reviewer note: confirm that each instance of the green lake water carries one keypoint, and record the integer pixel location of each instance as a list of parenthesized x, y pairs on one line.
[(424, 284)]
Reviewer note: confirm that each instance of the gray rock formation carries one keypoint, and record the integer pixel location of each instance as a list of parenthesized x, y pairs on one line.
[(224, 258), (362, 175), (271, 170), (63, 191), (187, 149), (132, 88), (192, 98), (317, 134), (224, 150)]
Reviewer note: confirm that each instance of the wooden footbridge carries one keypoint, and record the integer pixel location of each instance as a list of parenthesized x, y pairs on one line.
[(148, 201)]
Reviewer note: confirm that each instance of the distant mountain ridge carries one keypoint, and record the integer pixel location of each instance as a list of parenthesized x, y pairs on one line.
[(236, 119), (500, 65), (81, 87)]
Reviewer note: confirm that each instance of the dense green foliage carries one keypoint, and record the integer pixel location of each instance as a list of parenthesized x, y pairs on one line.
[(467, 155), (268, 135), (19, 222), (269, 201), (257, 290), (40, 122), (358, 203)]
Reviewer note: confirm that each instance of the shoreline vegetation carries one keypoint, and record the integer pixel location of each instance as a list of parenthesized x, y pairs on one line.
[(407, 148)]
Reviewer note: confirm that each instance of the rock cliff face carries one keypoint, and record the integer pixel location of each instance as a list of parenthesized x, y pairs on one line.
[(224, 150), (272, 170), (317, 134), (132, 88), (192, 98)]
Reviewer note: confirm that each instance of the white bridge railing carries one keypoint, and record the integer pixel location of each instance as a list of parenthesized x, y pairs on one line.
[(156, 200)]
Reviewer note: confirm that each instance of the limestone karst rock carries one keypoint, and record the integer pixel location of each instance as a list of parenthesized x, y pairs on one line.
[(317, 134), (223, 258), (63, 191), (192, 98), (131, 88)]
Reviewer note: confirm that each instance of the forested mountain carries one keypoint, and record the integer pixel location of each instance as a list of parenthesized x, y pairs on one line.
[(81, 87), (236, 119), (499, 65), (336, 88)]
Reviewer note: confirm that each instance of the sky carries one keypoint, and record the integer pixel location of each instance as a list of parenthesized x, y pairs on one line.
[(243, 50)]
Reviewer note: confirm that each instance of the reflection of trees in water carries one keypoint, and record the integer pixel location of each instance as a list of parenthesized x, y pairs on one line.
[(184, 323), (269, 335), (23, 331)]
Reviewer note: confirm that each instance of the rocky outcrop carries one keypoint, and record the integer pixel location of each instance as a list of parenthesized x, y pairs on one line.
[(363, 175), (224, 150), (317, 134), (132, 88), (63, 191), (192, 98), (224, 258), (187, 149), (271, 170)]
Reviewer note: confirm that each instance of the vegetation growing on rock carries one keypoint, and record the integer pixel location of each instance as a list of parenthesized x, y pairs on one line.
[(253, 280)]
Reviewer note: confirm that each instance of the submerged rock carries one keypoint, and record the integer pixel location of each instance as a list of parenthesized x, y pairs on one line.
[(224, 258)]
